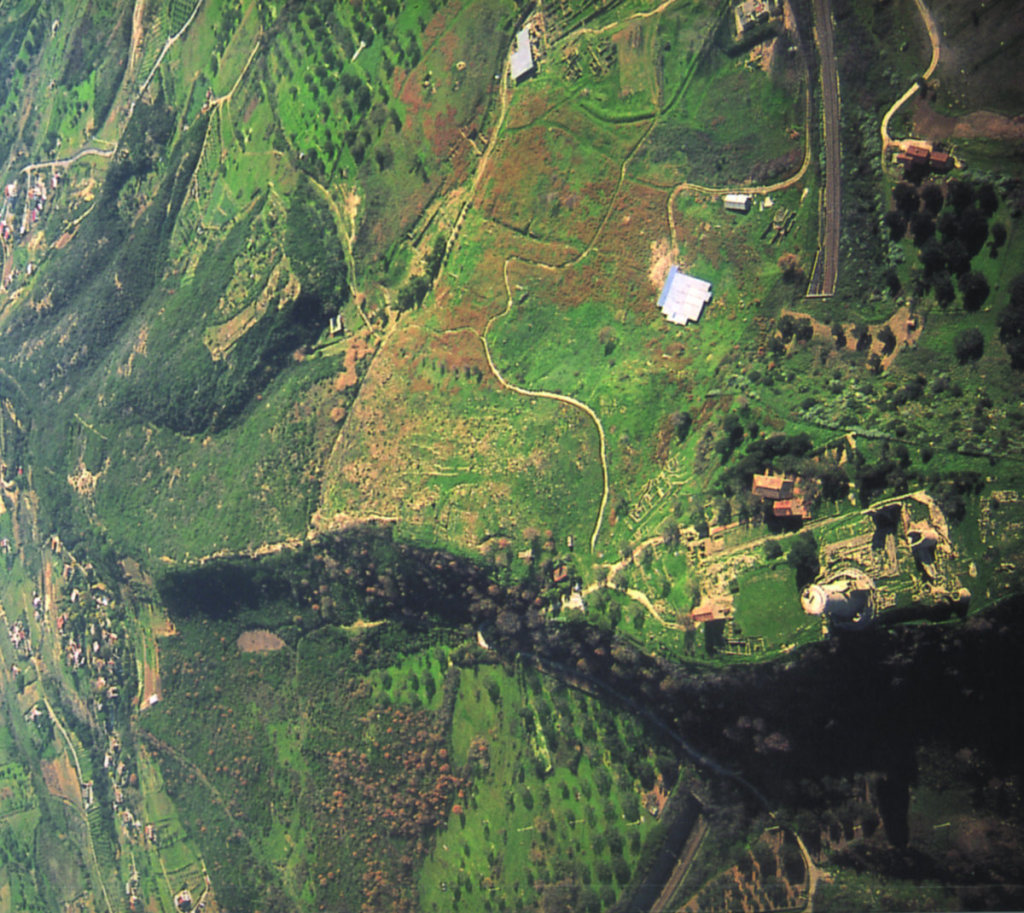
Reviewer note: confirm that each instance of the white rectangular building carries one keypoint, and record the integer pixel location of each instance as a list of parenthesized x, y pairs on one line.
[(521, 59), (737, 202), (683, 297)]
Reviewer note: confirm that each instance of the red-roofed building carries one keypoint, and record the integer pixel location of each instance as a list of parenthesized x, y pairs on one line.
[(921, 155), (773, 487), (791, 507), (711, 610)]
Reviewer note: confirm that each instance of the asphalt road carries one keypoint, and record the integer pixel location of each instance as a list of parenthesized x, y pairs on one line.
[(830, 112)]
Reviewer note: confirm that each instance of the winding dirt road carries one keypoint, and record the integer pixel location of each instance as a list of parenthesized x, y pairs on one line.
[(933, 37), (558, 397)]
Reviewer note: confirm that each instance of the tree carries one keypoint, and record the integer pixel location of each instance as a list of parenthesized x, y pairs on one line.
[(998, 236), (839, 334), (969, 345), (945, 291), (670, 534), (904, 194), (948, 225), (606, 336), (803, 558), (988, 199), (1011, 324), (973, 229), (888, 339), (974, 288), (932, 257), (892, 280), (961, 194), (681, 422), (896, 222), (931, 197), (772, 550), (863, 336), (835, 483), (957, 256), (789, 263), (733, 435), (922, 227)]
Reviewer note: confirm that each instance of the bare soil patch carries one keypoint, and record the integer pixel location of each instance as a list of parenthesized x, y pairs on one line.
[(60, 779), (905, 326), (259, 641), (661, 262), (358, 349), (934, 126)]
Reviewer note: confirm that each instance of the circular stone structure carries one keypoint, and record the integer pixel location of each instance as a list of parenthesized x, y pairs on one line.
[(813, 599), (846, 599)]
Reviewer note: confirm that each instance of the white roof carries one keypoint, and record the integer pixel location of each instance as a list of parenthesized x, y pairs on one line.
[(683, 297), (521, 61), (737, 197)]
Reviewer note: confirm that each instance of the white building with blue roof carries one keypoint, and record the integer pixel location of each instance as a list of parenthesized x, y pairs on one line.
[(683, 297)]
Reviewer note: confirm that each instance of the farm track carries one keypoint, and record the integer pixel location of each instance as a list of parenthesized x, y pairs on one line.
[(933, 37), (558, 397), (646, 14)]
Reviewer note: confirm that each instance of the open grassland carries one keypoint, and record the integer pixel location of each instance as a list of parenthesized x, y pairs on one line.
[(461, 454)]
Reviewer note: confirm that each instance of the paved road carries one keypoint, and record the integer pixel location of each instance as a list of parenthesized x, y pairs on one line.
[(829, 252)]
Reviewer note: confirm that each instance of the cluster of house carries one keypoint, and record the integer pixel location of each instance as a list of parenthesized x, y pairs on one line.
[(131, 889), (183, 900), (784, 494), (683, 297), (36, 201), (19, 635), (920, 154), (98, 649)]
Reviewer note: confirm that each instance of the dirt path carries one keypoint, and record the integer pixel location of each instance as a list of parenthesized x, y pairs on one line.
[(586, 30), (224, 99), (67, 162), (349, 237), (637, 596), (168, 44), (138, 17), (813, 874), (558, 397), (933, 37), (218, 799)]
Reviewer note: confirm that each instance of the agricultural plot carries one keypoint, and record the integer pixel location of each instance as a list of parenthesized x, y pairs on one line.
[(553, 801)]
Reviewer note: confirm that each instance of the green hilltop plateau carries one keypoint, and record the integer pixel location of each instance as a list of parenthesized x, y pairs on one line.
[(492, 456)]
